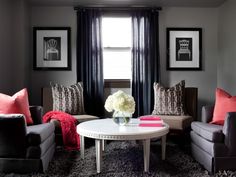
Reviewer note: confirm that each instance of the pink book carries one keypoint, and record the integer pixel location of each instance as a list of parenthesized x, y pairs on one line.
[(150, 118), (151, 125)]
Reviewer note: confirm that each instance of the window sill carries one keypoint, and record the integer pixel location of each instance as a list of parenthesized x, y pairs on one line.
[(117, 83)]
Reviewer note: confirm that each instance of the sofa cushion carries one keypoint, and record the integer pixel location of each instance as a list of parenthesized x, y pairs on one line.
[(209, 132), (36, 134), (169, 101), (177, 122), (68, 99)]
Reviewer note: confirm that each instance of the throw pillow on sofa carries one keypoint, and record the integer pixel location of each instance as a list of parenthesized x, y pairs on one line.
[(16, 104), (224, 103), (169, 101), (68, 99)]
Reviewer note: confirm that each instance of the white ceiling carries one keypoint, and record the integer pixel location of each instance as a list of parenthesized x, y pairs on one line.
[(162, 3)]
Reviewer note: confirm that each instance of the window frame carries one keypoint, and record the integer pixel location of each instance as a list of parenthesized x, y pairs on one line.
[(117, 83)]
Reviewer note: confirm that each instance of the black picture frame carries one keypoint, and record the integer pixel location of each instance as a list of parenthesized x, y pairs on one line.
[(51, 48), (184, 49)]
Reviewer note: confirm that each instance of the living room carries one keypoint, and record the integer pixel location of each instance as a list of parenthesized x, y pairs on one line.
[(214, 17)]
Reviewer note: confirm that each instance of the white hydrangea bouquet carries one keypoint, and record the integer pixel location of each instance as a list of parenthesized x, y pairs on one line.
[(123, 106)]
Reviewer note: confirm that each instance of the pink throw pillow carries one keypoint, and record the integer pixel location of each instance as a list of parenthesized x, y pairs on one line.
[(224, 103), (18, 103)]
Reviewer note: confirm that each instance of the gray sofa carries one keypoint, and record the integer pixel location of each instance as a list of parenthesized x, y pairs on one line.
[(25, 149), (214, 146)]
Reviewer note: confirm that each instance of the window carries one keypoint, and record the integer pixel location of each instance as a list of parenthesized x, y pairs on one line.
[(116, 39)]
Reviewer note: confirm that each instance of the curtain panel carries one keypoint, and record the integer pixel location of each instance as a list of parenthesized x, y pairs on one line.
[(145, 58), (90, 60)]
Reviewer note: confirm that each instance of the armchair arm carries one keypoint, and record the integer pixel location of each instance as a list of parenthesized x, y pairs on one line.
[(12, 135), (229, 130), (207, 113), (36, 114)]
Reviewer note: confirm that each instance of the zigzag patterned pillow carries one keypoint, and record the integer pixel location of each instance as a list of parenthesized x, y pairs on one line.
[(68, 99), (169, 101)]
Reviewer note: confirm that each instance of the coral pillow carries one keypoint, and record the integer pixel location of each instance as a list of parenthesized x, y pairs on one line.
[(18, 103), (224, 103)]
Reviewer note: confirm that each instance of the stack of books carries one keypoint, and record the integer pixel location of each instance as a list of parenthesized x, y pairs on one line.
[(150, 121)]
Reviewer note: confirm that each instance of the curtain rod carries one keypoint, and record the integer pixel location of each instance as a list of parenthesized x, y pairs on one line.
[(117, 8)]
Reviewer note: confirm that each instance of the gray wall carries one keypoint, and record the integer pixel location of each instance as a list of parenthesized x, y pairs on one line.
[(20, 43), (6, 59), (227, 47), (205, 80), (52, 17), (219, 42), (205, 18), (13, 45)]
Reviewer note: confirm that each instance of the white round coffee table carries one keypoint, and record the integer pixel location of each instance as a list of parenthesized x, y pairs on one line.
[(106, 129)]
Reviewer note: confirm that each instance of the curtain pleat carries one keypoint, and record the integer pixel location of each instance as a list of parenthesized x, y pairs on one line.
[(90, 60), (145, 59)]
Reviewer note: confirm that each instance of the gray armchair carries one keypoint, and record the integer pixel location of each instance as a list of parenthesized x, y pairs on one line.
[(214, 146), (25, 149)]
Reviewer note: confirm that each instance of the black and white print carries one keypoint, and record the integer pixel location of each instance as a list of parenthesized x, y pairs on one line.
[(51, 48), (184, 48)]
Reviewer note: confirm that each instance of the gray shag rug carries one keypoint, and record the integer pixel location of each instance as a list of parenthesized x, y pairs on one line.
[(125, 159)]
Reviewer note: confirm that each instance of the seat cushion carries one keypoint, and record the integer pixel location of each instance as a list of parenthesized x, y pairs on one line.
[(36, 134), (177, 122), (209, 132), (79, 118), (84, 117)]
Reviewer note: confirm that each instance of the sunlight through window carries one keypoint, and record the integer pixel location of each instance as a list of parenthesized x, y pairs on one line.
[(116, 38)]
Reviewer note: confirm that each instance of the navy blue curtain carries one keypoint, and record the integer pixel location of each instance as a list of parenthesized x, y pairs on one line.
[(145, 58), (90, 60)]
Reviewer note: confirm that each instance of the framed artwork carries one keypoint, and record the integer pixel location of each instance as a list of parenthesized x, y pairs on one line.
[(52, 48), (184, 48)]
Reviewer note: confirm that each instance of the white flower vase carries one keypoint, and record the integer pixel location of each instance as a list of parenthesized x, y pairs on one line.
[(121, 118)]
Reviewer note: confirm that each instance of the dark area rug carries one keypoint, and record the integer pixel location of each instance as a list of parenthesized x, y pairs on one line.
[(125, 159)]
